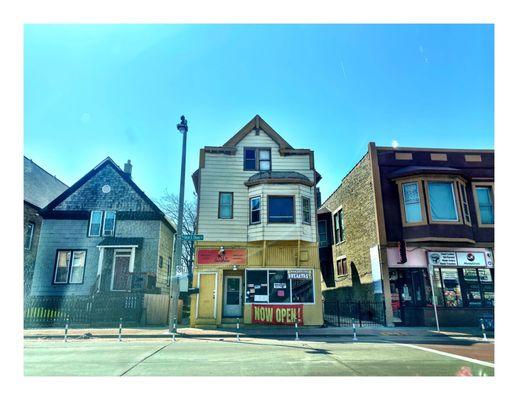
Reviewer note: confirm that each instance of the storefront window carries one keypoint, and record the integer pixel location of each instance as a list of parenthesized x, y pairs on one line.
[(256, 286), (437, 286), (279, 286), (451, 287), (302, 290)]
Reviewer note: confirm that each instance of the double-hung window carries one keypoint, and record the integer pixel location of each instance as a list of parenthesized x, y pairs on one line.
[(281, 209), (338, 226), (255, 210), (306, 210), (412, 202), (102, 223), (341, 266), (226, 202), (109, 223), (443, 207), (70, 266), (257, 159), (322, 233), (484, 195), (96, 220)]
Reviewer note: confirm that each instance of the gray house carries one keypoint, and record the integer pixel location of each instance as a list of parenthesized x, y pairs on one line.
[(103, 234), (39, 189)]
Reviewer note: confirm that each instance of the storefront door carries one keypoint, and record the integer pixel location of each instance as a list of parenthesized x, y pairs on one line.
[(232, 300)]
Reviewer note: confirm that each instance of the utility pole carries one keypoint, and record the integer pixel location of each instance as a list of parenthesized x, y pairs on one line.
[(174, 284)]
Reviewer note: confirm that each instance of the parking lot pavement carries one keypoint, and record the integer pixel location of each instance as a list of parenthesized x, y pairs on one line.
[(249, 357)]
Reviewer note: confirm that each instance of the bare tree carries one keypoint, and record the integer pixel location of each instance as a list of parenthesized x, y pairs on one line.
[(168, 203)]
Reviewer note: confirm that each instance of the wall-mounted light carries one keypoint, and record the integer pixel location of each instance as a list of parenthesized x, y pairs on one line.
[(234, 268)]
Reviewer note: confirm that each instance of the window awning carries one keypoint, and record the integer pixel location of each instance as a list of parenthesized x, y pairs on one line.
[(418, 170), (121, 242)]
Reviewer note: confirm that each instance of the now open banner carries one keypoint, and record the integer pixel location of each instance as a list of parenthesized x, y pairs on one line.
[(277, 314)]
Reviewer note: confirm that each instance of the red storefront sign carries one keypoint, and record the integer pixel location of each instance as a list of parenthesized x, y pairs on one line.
[(277, 314), (221, 257)]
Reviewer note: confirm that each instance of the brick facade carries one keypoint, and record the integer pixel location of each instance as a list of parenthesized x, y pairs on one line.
[(356, 197)]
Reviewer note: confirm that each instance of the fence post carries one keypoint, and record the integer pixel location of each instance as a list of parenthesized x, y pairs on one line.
[(237, 331), (66, 330), (296, 329), (359, 314), (338, 313), (120, 330), (174, 330)]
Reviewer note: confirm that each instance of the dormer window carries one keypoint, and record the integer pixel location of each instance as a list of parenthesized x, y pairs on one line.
[(257, 159)]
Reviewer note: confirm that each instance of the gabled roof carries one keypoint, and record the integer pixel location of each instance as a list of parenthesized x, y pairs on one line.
[(257, 123), (107, 161), (39, 187)]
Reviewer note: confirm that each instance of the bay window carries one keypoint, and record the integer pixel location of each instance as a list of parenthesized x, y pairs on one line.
[(443, 207), (412, 202), (255, 210), (306, 210), (281, 209), (279, 286)]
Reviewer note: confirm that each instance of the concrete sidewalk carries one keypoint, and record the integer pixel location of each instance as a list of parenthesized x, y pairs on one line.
[(255, 332)]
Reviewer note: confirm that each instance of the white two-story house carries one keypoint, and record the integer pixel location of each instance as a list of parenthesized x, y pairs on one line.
[(257, 212)]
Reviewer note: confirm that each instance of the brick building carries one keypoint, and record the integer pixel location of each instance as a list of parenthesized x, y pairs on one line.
[(401, 214), (103, 234), (39, 189)]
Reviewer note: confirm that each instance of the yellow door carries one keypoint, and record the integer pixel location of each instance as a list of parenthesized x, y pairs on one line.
[(206, 297)]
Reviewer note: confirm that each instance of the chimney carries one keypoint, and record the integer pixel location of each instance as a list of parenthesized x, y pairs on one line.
[(127, 168)]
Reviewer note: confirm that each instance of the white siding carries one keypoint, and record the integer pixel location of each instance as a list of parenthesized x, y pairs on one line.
[(224, 173)]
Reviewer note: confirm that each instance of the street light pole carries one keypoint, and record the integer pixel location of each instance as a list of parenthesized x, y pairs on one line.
[(174, 284)]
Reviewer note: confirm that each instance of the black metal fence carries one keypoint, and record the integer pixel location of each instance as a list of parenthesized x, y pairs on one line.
[(362, 313), (101, 309)]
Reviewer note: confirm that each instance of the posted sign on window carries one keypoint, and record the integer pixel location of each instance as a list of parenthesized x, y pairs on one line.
[(277, 314)]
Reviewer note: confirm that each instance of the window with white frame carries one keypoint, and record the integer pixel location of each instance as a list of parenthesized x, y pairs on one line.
[(255, 210), (226, 201), (109, 223), (70, 266), (276, 286), (96, 220), (464, 202), (29, 232), (412, 202), (257, 159), (306, 210), (442, 201)]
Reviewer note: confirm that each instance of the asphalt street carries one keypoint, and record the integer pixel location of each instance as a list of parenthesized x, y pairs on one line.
[(257, 357)]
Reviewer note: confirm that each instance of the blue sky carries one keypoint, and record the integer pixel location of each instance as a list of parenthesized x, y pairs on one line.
[(93, 91)]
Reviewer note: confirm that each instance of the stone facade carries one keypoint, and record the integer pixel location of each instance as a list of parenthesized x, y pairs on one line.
[(356, 197)]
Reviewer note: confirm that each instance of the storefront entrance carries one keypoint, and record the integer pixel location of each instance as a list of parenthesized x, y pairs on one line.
[(232, 298)]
